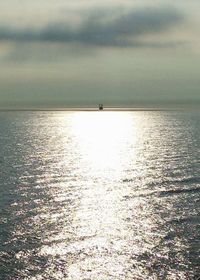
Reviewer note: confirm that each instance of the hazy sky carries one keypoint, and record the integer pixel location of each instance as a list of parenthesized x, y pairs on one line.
[(56, 53)]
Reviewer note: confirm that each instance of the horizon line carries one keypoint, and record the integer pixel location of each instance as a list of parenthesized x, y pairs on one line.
[(96, 109)]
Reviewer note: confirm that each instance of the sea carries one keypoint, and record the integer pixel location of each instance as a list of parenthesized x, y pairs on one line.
[(99, 195)]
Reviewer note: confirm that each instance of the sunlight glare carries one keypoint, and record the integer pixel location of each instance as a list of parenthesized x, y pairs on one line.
[(102, 139)]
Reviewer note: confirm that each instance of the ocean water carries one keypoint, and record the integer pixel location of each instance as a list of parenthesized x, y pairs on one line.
[(99, 195)]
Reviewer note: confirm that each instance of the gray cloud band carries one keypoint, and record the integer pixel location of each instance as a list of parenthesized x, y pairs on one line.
[(123, 30)]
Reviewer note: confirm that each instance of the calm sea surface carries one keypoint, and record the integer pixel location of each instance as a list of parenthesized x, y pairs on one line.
[(99, 195)]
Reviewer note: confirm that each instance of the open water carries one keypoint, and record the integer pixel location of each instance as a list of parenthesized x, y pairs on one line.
[(99, 195)]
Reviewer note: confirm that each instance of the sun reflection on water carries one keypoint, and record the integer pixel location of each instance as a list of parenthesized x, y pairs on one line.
[(102, 140), (91, 204)]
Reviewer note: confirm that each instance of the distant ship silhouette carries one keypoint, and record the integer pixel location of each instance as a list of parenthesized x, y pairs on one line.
[(100, 107)]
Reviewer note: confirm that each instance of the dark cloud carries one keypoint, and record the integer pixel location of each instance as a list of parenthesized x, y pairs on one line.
[(122, 29)]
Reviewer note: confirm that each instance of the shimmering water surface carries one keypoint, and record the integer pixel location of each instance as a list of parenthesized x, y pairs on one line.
[(99, 195)]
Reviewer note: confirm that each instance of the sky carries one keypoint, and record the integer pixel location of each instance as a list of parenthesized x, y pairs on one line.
[(78, 53)]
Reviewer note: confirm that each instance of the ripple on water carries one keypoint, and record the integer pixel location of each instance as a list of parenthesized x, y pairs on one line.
[(107, 196)]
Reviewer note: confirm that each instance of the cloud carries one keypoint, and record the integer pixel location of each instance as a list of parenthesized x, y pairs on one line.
[(102, 28)]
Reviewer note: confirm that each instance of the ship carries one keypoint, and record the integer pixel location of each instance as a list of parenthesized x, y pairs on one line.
[(100, 107)]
